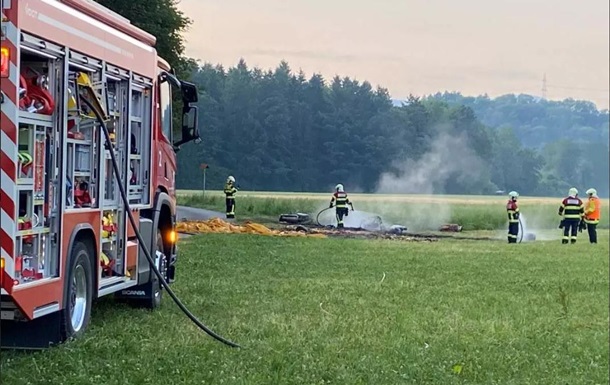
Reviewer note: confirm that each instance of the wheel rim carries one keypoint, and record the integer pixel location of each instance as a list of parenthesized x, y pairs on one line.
[(161, 268), (78, 298)]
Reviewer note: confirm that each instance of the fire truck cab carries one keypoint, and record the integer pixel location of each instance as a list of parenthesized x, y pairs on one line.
[(65, 240)]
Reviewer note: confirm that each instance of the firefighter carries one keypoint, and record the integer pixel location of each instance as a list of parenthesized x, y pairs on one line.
[(230, 191), (573, 210), (512, 209), (592, 214), (340, 202)]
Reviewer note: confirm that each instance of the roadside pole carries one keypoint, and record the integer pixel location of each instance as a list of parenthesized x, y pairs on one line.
[(204, 166)]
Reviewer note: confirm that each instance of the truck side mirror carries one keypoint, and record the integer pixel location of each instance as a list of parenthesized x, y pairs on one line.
[(189, 93), (190, 129)]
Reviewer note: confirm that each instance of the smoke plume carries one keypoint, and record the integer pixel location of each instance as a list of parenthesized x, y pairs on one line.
[(450, 156)]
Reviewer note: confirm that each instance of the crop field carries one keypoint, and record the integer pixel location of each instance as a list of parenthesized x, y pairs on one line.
[(343, 311), (398, 198), (417, 212)]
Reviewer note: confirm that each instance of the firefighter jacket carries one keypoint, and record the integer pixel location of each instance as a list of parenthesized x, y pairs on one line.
[(572, 208), (512, 209), (340, 199), (230, 191), (593, 210)]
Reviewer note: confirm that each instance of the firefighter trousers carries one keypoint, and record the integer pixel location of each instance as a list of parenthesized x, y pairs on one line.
[(230, 203), (570, 230), (513, 231), (340, 213), (592, 230)]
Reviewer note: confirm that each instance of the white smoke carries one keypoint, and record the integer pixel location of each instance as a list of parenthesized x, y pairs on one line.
[(450, 156), (535, 225)]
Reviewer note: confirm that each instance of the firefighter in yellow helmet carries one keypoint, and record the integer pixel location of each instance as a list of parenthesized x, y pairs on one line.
[(230, 191), (592, 214), (573, 211), (512, 209), (340, 202)]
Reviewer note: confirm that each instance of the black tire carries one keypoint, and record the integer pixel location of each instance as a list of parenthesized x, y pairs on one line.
[(78, 293), (157, 290)]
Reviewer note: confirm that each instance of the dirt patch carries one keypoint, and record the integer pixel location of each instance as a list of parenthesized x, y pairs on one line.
[(361, 234)]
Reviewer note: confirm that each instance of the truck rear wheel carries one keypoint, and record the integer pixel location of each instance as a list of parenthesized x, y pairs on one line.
[(78, 293)]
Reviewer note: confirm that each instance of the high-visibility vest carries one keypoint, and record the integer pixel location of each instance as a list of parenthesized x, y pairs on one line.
[(593, 210)]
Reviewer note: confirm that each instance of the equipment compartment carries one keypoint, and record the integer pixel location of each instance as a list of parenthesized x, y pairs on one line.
[(37, 155), (81, 139)]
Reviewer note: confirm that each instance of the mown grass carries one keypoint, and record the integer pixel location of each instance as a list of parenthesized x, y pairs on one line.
[(416, 212), (312, 311)]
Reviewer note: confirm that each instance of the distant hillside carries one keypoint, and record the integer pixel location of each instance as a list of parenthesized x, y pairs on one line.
[(536, 121)]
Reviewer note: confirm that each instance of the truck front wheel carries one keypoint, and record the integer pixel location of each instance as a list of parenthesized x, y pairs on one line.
[(157, 292)]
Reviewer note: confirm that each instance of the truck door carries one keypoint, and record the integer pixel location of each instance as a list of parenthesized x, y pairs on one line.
[(166, 157)]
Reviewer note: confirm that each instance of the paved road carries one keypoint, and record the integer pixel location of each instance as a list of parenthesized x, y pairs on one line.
[(196, 214)]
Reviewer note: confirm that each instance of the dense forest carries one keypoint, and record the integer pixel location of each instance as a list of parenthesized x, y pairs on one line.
[(282, 130), (537, 122)]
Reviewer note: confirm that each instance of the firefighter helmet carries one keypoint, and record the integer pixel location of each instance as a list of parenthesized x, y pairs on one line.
[(513, 194), (591, 191), (573, 192), (339, 187), (231, 179)]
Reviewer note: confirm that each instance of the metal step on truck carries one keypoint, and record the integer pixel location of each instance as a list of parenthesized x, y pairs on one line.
[(71, 71)]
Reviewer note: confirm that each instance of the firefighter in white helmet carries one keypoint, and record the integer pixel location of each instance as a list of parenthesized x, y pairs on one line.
[(512, 209), (340, 202), (572, 209), (592, 214), (230, 191)]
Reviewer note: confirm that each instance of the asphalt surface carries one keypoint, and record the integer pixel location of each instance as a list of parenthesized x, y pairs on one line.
[(196, 214)]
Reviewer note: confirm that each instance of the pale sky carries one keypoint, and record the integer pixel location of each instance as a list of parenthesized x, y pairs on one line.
[(417, 46)]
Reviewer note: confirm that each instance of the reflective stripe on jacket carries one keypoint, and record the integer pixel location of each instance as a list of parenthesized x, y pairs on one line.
[(341, 200), (513, 211), (572, 208), (230, 190)]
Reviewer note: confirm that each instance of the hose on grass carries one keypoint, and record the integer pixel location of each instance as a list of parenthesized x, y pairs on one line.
[(318, 216), (143, 245)]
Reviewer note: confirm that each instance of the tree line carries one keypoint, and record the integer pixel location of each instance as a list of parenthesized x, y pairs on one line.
[(280, 130)]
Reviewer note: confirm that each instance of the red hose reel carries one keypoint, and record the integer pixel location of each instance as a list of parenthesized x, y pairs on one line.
[(34, 95)]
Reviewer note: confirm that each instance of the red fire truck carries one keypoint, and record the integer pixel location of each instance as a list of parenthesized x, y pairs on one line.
[(71, 71)]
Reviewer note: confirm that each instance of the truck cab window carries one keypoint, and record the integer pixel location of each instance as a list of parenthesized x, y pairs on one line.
[(166, 110)]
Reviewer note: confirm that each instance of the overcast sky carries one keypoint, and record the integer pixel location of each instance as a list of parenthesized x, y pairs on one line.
[(417, 46)]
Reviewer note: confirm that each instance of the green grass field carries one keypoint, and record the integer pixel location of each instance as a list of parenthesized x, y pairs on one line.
[(322, 311), (345, 311), (417, 212)]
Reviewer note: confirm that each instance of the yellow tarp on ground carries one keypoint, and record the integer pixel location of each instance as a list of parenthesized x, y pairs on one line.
[(217, 225)]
